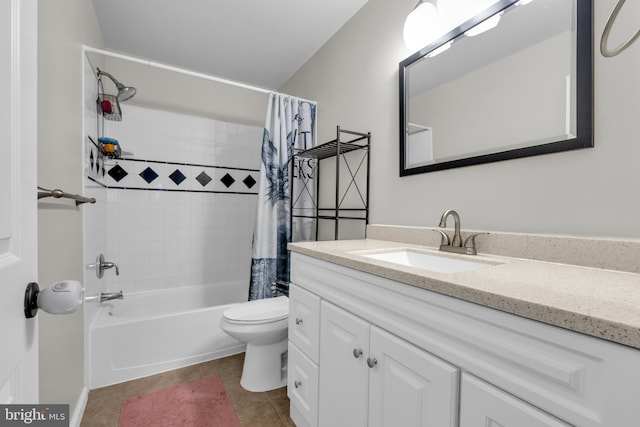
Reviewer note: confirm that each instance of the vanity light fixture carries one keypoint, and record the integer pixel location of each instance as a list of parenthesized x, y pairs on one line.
[(421, 25)]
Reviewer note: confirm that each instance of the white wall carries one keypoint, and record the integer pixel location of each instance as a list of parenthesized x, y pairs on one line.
[(63, 26), (591, 192)]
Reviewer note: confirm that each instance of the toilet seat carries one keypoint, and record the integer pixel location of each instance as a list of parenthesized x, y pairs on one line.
[(259, 311)]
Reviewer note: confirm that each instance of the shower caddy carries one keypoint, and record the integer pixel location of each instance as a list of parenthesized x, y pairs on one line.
[(346, 141)]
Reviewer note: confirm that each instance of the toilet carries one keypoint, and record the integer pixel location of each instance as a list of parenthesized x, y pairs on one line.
[(262, 324)]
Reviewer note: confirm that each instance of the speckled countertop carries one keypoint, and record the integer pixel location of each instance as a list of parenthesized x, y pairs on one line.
[(597, 302)]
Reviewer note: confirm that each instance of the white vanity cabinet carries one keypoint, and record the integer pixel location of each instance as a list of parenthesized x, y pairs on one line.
[(376, 379), (369, 351)]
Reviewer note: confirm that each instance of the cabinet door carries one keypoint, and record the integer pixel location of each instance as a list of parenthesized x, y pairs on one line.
[(304, 321), (302, 388), (409, 387), (482, 404), (344, 346)]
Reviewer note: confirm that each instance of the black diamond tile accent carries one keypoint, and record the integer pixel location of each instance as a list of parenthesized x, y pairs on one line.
[(91, 161), (148, 175), (203, 178), (177, 177), (227, 180), (117, 173), (249, 181)]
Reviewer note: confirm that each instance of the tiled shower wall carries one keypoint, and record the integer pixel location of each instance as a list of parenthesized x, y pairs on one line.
[(181, 203)]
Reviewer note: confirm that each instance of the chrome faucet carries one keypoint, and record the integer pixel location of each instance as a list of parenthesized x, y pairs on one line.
[(457, 238), (107, 296), (455, 244)]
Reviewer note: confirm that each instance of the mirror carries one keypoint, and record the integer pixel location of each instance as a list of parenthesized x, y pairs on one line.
[(522, 88)]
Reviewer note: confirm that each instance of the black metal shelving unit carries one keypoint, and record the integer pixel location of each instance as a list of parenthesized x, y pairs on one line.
[(346, 141)]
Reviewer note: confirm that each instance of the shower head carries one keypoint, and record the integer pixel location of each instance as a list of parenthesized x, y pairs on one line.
[(124, 92)]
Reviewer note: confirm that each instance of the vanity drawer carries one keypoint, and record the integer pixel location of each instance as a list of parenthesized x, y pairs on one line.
[(304, 321), (302, 388), (482, 404)]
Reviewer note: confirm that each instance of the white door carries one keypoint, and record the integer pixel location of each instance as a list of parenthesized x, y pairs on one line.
[(344, 375), (409, 387), (18, 216)]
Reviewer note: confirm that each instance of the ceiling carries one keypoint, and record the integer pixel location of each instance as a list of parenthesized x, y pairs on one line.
[(259, 42)]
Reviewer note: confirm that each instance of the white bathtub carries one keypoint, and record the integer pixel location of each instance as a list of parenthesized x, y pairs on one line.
[(151, 332)]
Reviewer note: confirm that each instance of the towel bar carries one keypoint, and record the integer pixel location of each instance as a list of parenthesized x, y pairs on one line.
[(57, 194)]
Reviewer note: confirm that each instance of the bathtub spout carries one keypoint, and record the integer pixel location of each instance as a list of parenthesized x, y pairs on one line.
[(110, 296)]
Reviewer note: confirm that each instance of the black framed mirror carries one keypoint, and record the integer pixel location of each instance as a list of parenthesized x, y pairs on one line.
[(522, 88)]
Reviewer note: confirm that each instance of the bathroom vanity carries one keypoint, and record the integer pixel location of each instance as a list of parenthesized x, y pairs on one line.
[(376, 343)]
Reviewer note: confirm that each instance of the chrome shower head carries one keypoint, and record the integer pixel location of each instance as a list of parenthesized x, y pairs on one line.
[(124, 92)]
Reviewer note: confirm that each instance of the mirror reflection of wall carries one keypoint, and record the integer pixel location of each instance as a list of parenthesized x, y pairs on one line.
[(509, 103), (419, 148), (511, 91)]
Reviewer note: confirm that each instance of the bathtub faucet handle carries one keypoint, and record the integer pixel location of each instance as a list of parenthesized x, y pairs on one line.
[(101, 265), (106, 265)]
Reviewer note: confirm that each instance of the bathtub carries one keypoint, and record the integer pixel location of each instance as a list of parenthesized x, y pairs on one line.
[(151, 332)]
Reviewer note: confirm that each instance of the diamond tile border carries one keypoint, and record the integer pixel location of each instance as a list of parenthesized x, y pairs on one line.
[(137, 174), (149, 175)]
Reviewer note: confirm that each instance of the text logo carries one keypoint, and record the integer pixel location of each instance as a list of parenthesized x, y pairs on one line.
[(34, 415)]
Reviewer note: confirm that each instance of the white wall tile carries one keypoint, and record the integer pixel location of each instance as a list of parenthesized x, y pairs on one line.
[(164, 239)]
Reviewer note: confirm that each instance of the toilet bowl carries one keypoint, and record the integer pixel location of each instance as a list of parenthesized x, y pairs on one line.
[(262, 324)]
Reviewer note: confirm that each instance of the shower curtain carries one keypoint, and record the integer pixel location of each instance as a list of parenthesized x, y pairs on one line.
[(290, 124)]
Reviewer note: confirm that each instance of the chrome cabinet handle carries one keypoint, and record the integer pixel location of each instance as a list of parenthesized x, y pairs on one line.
[(371, 362), (357, 352), (298, 321), (297, 383)]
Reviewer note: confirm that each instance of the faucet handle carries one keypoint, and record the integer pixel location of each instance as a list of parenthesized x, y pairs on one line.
[(470, 242), (444, 240), (108, 264)]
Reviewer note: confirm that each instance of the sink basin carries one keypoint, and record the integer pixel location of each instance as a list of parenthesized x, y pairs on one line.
[(441, 264)]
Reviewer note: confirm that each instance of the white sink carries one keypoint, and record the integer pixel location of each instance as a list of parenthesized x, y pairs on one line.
[(441, 264)]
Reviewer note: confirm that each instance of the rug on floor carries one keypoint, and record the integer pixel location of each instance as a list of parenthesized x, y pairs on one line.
[(199, 403)]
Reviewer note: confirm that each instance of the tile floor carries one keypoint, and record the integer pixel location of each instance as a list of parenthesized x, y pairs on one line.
[(268, 409)]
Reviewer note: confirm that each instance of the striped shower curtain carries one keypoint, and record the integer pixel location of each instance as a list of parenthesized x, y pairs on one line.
[(290, 124)]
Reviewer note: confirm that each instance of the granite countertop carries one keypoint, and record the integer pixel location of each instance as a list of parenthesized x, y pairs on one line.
[(597, 302)]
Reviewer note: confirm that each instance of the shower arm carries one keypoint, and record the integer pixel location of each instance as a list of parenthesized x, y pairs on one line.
[(124, 92), (113, 79)]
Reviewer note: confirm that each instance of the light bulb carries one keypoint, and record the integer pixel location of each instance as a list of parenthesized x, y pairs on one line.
[(421, 26)]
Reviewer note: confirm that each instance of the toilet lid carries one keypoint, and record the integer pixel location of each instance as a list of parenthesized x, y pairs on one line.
[(262, 310)]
